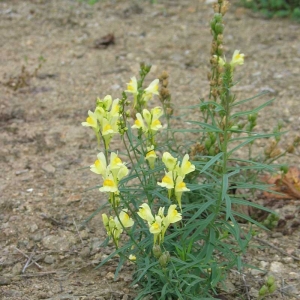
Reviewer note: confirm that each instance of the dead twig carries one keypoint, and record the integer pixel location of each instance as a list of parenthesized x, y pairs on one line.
[(77, 231), (276, 248), (29, 259)]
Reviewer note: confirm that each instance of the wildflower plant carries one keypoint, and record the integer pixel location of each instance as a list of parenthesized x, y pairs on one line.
[(170, 213)]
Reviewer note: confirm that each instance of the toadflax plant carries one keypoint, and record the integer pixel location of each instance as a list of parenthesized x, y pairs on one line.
[(173, 214)]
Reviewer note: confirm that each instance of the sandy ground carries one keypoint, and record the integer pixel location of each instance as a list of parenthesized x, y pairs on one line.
[(43, 197)]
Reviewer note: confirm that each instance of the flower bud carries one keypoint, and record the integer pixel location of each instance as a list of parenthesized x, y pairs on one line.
[(263, 291), (164, 259), (219, 28), (270, 281), (156, 251)]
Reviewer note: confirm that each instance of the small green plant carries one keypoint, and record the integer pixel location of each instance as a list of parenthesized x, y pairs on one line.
[(268, 288), (275, 8), (171, 212)]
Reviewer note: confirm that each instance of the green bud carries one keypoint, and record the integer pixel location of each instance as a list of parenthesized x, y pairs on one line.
[(207, 144), (219, 28), (263, 291), (234, 128), (164, 259), (156, 251), (211, 151), (284, 168), (270, 281), (272, 288), (218, 17)]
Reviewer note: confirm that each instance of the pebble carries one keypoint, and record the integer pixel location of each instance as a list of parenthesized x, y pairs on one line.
[(49, 259), (277, 267), (4, 280), (58, 243), (48, 168), (17, 269)]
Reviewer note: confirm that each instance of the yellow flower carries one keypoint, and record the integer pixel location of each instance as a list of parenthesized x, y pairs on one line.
[(109, 185), (186, 166), (115, 108), (169, 161), (145, 213), (125, 219), (173, 215), (99, 167), (153, 87), (156, 226), (132, 257), (237, 58), (123, 171), (167, 181), (91, 120), (155, 125), (139, 123), (147, 116), (132, 86), (156, 112), (105, 103), (151, 156), (221, 60), (180, 187), (115, 161)]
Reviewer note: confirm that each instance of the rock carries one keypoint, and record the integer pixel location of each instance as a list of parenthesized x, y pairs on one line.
[(4, 280), (49, 259), (294, 276), (85, 252), (17, 269), (58, 243), (48, 168), (253, 293), (33, 228), (277, 267), (287, 260)]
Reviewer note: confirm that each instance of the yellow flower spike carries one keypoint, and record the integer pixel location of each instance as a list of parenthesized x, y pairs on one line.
[(173, 215), (167, 181), (180, 187), (99, 167), (145, 213), (169, 161), (125, 219), (109, 185), (186, 166), (91, 120), (151, 156), (237, 58)]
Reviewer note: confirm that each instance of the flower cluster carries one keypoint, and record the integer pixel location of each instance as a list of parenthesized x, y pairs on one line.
[(111, 175), (104, 120), (173, 179), (133, 88), (114, 226), (158, 224), (149, 123)]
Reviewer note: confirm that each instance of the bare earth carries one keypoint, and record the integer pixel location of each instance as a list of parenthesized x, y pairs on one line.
[(43, 197)]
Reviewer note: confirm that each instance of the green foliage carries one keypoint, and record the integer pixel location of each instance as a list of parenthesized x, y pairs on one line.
[(268, 288), (173, 214), (275, 8)]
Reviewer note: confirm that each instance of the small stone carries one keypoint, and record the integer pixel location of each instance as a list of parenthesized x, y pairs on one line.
[(17, 269), (50, 259), (287, 260), (263, 265), (33, 228), (253, 293), (277, 267), (57, 243), (37, 237), (73, 198), (85, 252), (4, 280), (110, 275), (48, 168), (294, 275)]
